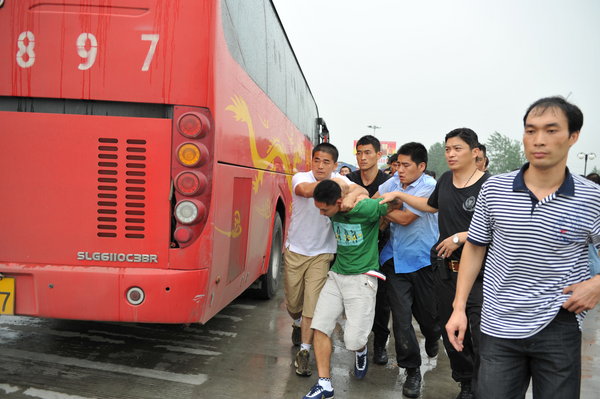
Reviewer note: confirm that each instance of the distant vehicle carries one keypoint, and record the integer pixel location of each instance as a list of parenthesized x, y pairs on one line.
[(146, 155)]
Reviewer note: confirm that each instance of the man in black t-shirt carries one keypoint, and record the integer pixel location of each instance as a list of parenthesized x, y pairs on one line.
[(368, 175), (454, 199)]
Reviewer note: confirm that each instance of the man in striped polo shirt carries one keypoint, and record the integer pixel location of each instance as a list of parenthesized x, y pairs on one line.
[(537, 223)]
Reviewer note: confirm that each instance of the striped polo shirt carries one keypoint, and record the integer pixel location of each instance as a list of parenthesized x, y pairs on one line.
[(536, 249)]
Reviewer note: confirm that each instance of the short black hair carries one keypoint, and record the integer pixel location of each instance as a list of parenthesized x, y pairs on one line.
[(369, 139), (430, 173), (328, 148), (327, 191), (465, 134), (416, 151), (571, 111), (392, 158), (594, 177), (484, 150), (347, 167)]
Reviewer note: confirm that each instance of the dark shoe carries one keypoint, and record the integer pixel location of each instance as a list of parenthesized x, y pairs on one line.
[(432, 348), (380, 355), (318, 392), (361, 365), (412, 384), (296, 335), (465, 391), (301, 363)]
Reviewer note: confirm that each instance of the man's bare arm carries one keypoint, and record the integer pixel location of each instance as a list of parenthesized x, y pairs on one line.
[(403, 217), (306, 189), (584, 295), (470, 265), (419, 203), (355, 194)]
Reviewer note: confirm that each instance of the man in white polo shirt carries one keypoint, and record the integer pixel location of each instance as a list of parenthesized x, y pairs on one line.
[(536, 223), (310, 247)]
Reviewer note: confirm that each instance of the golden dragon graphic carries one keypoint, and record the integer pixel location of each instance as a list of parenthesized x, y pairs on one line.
[(276, 150)]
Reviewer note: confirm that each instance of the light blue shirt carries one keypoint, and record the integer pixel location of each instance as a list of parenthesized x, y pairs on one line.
[(410, 245), (593, 260)]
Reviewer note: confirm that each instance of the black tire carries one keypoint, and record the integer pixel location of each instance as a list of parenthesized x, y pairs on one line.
[(269, 282)]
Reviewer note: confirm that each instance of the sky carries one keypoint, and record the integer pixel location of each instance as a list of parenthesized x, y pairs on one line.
[(418, 69)]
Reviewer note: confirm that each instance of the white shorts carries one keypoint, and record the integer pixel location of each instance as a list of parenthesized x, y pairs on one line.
[(353, 294)]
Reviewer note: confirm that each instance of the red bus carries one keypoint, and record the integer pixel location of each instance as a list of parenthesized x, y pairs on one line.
[(146, 155)]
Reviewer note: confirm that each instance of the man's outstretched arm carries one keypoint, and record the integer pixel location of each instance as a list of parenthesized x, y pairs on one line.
[(470, 265)]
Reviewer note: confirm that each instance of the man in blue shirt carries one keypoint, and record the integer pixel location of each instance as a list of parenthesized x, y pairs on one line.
[(406, 263), (537, 223)]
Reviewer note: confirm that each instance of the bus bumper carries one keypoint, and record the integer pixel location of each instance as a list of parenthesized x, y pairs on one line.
[(100, 293)]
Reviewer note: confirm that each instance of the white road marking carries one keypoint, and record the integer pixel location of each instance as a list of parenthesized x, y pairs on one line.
[(240, 306), (8, 388), (45, 394), (201, 352), (226, 316), (223, 333), (192, 379)]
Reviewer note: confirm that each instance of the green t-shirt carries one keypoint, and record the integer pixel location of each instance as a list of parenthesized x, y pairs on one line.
[(356, 233)]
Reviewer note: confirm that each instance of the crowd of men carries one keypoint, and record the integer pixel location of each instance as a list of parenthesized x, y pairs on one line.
[(495, 265)]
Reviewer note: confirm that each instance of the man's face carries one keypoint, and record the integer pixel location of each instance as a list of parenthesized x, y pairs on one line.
[(323, 165), (480, 161), (409, 171), (546, 139), (394, 167), (328, 210), (366, 156), (458, 154)]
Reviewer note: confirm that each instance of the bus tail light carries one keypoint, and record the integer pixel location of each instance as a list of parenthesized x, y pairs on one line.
[(183, 234), (189, 155), (193, 125), (192, 164), (190, 183), (190, 211), (135, 295)]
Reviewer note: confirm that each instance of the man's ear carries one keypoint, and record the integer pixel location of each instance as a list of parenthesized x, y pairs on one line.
[(422, 166)]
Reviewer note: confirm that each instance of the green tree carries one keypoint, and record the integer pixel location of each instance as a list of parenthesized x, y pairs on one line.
[(504, 154), (437, 159)]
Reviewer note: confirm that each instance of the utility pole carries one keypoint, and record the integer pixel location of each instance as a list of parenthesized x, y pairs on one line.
[(586, 155), (374, 127)]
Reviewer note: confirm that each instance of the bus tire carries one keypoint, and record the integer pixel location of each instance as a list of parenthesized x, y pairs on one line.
[(269, 282)]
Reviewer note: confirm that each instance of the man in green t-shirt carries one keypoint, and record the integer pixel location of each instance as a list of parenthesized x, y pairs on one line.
[(351, 284)]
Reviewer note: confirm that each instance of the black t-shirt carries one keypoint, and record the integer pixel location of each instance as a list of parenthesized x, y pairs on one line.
[(455, 208), (374, 186)]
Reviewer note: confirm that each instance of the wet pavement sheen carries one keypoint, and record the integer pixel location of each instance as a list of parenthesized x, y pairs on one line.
[(244, 352)]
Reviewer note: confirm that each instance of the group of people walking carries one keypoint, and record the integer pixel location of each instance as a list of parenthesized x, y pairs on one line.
[(495, 265)]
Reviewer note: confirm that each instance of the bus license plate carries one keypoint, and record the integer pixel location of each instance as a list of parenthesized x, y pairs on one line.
[(7, 295)]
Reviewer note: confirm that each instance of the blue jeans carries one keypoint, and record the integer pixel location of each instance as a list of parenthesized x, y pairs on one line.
[(551, 359)]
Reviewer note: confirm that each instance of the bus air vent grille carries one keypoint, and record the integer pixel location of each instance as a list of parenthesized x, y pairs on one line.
[(135, 189), (113, 198), (107, 187)]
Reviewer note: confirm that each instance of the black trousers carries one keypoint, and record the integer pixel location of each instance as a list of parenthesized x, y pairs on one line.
[(411, 294), (465, 364), (380, 328)]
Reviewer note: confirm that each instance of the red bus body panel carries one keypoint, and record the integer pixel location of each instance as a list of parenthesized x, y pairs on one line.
[(52, 236)]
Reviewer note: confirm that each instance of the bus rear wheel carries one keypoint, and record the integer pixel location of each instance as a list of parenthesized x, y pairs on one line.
[(269, 282)]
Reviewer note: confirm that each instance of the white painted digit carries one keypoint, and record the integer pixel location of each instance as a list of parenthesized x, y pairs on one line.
[(89, 55), (153, 39), (26, 49)]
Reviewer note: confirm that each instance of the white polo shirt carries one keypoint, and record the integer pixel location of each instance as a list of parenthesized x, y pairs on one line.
[(310, 233)]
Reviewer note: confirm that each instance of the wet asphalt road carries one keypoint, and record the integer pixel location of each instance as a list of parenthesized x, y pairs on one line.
[(244, 352)]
